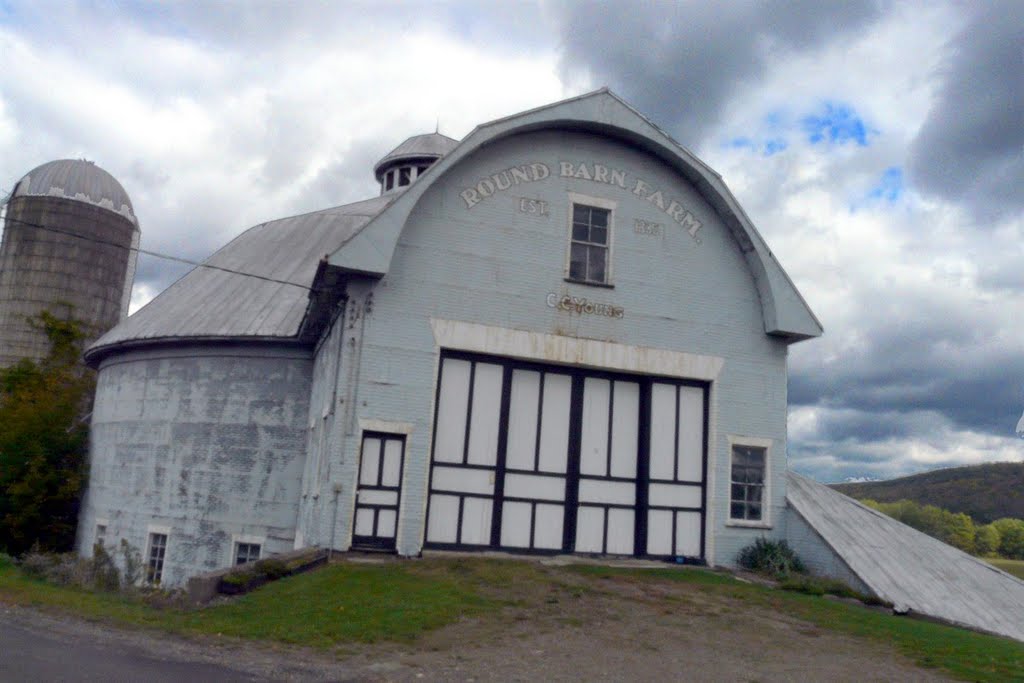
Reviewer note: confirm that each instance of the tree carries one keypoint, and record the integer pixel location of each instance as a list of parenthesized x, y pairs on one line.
[(986, 540), (1011, 537), (44, 442)]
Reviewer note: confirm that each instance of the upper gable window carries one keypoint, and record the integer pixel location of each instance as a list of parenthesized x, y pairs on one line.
[(590, 244)]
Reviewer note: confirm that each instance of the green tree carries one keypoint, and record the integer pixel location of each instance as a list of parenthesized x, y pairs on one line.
[(1011, 537), (44, 441), (986, 540)]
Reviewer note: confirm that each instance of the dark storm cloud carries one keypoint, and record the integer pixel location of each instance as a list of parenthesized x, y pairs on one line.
[(971, 146), (917, 365), (681, 63)]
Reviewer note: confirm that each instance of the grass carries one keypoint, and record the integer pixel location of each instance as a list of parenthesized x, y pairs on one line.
[(1015, 567), (347, 602), (338, 604)]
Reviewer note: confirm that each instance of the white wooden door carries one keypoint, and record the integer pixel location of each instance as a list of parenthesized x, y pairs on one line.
[(609, 440), (379, 491)]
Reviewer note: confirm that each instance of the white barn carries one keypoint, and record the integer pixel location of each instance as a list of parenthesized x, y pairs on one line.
[(559, 335)]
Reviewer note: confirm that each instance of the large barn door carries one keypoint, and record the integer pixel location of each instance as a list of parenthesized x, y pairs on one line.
[(551, 459), (536, 460), (379, 490), (675, 489), (609, 439), (465, 453)]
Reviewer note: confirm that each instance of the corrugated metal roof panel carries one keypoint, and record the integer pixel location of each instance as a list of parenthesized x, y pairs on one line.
[(211, 303), (908, 568)]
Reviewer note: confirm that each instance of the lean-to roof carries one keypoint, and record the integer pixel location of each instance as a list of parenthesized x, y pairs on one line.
[(213, 303), (910, 569)]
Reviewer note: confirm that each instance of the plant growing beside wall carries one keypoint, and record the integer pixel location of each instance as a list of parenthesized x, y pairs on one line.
[(44, 442)]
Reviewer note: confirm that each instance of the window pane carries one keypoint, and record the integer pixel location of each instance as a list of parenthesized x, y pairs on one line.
[(580, 214), (580, 232), (599, 235), (597, 256), (403, 176), (578, 262), (754, 494), (753, 511), (599, 218), (736, 511), (390, 182)]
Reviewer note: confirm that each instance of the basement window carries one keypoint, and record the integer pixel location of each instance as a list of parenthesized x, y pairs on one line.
[(247, 552), (101, 533), (747, 478), (155, 558)]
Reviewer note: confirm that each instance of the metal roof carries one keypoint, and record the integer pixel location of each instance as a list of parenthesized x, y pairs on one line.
[(910, 569), (79, 180), (431, 145), (215, 304)]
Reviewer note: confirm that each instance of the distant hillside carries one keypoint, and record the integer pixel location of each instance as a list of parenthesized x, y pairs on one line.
[(985, 492)]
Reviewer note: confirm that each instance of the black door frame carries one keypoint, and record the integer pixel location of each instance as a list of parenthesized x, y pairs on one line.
[(373, 541), (572, 474)]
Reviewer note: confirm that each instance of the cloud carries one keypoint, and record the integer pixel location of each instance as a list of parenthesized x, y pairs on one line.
[(682, 63), (970, 147)]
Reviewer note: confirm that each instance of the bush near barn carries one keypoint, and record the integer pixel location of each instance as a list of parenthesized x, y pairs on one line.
[(44, 442)]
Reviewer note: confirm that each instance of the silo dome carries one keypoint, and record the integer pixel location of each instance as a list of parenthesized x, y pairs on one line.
[(79, 180), (409, 160)]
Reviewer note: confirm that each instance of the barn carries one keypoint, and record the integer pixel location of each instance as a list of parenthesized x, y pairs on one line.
[(559, 335)]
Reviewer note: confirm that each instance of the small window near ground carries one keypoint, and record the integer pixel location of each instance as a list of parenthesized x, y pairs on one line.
[(101, 533), (748, 475), (155, 558), (588, 251), (404, 176), (246, 552)]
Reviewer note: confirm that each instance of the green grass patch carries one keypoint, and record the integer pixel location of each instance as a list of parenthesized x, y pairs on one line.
[(337, 604), (1015, 567)]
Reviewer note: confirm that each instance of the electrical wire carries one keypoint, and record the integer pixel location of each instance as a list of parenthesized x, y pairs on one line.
[(148, 252)]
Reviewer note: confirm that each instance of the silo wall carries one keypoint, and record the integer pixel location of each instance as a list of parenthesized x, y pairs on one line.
[(76, 264)]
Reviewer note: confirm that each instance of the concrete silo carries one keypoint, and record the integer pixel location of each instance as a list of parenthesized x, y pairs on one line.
[(69, 243)]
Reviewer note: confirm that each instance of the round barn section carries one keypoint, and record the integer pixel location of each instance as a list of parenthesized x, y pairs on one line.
[(559, 335)]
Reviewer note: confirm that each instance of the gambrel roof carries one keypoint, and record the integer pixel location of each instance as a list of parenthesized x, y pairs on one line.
[(785, 312)]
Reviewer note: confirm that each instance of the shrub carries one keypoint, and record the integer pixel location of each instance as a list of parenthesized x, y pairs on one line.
[(131, 566), (272, 568), (775, 558)]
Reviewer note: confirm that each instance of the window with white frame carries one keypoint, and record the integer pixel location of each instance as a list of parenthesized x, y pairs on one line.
[(101, 533), (247, 552), (749, 466), (589, 244), (155, 558)]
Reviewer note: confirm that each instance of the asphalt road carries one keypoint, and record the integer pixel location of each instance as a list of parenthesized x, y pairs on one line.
[(29, 653)]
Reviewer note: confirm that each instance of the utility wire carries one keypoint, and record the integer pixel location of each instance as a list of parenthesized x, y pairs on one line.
[(158, 254)]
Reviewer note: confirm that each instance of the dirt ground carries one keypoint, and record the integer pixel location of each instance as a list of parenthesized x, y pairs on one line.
[(596, 630)]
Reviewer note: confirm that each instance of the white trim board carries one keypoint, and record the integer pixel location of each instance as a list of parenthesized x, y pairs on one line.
[(552, 348)]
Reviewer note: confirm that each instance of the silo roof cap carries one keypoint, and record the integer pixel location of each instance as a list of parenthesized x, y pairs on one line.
[(79, 180), (430, 146)]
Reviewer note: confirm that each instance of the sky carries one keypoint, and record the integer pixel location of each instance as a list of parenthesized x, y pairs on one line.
[(877, 146)]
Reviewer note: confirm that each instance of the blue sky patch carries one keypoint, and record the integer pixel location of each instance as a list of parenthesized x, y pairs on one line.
[(838, 124), (889, 187), (774, 146)]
